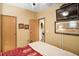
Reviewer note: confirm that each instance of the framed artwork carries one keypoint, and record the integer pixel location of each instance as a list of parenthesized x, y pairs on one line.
[(67, 27), (21, 26), (26, 26)]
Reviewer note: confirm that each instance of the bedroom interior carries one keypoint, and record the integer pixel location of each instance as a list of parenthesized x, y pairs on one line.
[(31, 14)]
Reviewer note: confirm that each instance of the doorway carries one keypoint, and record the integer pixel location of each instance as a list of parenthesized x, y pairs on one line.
[(42, 29)]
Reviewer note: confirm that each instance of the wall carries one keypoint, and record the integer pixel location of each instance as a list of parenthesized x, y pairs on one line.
[(50, 36), (70, 43), (0, 8), (23, 16)]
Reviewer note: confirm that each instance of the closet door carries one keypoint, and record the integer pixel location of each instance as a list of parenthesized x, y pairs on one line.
[(34, 30), (8, 33), (0, 33)]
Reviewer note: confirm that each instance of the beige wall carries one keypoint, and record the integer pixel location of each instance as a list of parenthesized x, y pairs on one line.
[(0, 8), (50, 17), (23, 16), (70, 43)]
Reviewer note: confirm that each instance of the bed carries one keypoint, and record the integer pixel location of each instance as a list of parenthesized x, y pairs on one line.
[(38, 49)]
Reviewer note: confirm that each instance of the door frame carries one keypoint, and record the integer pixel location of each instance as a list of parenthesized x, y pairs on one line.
[(43, 18), (2, 31)]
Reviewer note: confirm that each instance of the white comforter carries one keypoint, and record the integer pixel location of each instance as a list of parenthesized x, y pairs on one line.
[(49, 50)]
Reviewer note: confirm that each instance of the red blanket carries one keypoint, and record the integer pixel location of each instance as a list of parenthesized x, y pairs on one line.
[(25, 51)]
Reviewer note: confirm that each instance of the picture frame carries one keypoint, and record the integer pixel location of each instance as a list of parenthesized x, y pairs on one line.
[(26, 26), (67, 27), (21, 26)]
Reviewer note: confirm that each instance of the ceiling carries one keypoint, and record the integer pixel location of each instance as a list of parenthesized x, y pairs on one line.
[(35, 8)]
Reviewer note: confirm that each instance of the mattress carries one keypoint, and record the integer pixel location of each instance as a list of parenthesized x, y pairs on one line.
[(49, 50)]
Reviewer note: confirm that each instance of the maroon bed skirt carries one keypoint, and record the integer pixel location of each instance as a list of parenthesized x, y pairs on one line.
[(25, 51)]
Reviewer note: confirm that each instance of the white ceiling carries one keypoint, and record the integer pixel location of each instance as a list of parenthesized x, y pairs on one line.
[(36, 8)]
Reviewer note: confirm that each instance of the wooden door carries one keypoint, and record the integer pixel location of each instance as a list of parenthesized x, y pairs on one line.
[(0, 33), (34, 30), (8, 33)]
